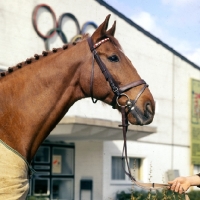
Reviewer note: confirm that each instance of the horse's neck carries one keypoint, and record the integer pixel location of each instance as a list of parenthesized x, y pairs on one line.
[(33, 99)]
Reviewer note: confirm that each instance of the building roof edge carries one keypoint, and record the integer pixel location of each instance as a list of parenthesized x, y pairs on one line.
[(148, 34)]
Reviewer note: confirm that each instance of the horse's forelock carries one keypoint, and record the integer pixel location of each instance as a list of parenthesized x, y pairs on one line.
[(114, 41)]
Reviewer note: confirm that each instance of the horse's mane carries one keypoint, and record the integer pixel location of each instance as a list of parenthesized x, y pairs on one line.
[(37, 57)]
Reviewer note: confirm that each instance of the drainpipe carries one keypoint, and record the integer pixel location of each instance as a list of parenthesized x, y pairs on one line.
[(173, 99)]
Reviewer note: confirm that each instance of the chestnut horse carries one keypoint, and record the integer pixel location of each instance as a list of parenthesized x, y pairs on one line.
[(34, 98)]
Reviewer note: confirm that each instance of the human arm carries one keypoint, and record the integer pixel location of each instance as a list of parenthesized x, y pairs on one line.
[(182, 184)]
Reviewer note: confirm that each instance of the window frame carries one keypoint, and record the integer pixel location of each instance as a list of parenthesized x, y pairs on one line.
[(44, 169), (126, 181)]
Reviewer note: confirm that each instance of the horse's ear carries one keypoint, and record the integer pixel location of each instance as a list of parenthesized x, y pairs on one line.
[(101, 30), (111, 31)]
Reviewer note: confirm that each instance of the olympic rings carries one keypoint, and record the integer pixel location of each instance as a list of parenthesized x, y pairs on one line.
[(34, 16), (57, 26), (60, 33), (70, 16), (83, 30)]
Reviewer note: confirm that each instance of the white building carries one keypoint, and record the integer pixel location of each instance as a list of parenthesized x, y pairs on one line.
[(88, 142)]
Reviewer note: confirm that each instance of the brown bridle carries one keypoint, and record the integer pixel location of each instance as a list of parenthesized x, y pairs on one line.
[(118, 91), (130, 105)]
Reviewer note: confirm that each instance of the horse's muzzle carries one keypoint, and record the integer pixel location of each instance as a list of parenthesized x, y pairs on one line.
[(142, 118)]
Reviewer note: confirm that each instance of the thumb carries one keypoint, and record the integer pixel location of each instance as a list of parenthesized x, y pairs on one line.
[(170, 182)]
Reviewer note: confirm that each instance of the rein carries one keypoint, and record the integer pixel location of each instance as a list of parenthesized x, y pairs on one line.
[(130, 105)]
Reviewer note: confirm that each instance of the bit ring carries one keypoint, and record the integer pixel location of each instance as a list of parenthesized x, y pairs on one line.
[(117, 99)]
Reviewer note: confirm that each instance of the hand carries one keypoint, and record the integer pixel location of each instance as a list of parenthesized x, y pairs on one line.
[(180, 184)]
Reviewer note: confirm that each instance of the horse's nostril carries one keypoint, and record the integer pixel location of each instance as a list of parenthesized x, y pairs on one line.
[(149, 108), (148, 111)]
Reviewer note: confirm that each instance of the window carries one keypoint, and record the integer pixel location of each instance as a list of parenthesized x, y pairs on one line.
[(42, 155), (54, 164), (62, 161), (117, 171), (62, 188), (135, 165), (41, 187)]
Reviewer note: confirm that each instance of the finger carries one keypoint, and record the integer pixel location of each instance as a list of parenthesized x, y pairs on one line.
[(180, 190), (169, 187), (173, 181), (170, 182), (177, 187), (173, 186)]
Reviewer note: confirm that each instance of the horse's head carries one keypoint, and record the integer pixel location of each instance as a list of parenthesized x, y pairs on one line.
[(124, 89)]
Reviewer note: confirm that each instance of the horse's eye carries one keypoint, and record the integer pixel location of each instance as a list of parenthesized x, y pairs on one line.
[(113, 58)]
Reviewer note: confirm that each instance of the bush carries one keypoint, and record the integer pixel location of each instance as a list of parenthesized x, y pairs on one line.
[(35, 198), (156, 195), (194, 195)]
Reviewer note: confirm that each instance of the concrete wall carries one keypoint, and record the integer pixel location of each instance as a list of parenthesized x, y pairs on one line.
[(89, 165)]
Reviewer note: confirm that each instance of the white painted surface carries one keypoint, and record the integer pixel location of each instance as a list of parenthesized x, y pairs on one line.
[(89, 165)]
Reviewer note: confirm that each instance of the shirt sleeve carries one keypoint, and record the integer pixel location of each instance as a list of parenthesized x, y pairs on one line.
[(199, 177)]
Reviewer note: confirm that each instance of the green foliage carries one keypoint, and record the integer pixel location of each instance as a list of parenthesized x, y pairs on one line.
[(156, 195), (194, 195), (35, 198)]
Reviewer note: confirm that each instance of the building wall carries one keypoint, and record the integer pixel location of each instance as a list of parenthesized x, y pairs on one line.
[(167, 74), (156, 161), (89, 165)]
